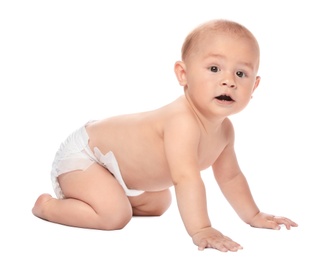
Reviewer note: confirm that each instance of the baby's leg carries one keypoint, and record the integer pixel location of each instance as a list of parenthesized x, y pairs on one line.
[(151, 203), (94, 199)]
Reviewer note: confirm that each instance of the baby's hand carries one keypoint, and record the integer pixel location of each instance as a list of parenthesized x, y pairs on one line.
[(211, 238), (263, 220)]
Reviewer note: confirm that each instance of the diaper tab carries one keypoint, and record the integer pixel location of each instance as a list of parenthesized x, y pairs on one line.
[(109, 161)]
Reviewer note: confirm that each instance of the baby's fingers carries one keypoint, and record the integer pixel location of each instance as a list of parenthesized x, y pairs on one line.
[(285, 221), (221, 245)]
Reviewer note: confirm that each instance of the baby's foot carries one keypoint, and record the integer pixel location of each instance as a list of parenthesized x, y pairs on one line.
[(38, 209)]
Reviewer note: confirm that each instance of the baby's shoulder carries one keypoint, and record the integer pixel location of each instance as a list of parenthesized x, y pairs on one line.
[(228, 129), (178, 120), (227, 125)]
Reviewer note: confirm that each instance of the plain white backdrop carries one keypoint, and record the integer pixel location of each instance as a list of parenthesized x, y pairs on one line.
[(63, 63)]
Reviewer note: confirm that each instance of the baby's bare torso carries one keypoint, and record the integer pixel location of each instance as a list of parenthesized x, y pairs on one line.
[(137, 141)]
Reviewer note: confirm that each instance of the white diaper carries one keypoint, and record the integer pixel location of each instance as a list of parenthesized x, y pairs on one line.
[(75, 154)]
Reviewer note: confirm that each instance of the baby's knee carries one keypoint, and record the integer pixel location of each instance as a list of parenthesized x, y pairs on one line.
[(116, 219), (163, 202), (153, 203), (114, 223)]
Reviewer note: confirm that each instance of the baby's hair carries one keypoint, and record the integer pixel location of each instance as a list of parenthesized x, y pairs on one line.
[(220, 25)]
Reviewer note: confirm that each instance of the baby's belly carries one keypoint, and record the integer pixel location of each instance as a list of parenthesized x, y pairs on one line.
[(147, 176)]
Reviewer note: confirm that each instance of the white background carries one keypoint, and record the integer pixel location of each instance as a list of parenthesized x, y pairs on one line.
[(63, 63)]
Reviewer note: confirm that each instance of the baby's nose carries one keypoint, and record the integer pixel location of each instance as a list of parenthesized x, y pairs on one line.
[(228, 84), (227, 79)]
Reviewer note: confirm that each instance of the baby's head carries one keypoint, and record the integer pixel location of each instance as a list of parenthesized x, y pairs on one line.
[(220, 62), (220, 26)]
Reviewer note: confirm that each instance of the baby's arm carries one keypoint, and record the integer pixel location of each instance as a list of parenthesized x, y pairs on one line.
[(181, 144), (235, 188)]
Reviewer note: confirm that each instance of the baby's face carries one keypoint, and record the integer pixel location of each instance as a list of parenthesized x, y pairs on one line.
[(221, 73)]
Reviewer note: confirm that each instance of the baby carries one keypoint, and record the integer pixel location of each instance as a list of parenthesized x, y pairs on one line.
[(110, 170)]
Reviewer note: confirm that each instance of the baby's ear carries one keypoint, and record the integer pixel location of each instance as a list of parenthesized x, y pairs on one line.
[(256, 84), (180, 72)]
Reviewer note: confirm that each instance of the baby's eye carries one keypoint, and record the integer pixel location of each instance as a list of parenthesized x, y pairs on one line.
[(240, 74), (214, 69)]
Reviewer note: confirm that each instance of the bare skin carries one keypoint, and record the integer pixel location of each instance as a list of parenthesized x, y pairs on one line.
[(169, 147)]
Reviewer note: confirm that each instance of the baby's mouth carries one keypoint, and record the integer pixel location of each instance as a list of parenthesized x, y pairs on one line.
[(224, 97)]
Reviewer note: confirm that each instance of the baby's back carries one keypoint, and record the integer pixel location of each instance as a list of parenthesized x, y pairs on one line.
[(137, 143)]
